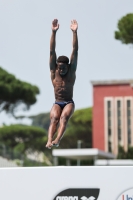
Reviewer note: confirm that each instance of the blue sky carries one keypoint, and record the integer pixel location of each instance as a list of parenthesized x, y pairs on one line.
[(24, 45)]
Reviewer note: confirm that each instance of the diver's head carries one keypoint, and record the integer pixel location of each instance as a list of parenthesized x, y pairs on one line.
[(62, 65)]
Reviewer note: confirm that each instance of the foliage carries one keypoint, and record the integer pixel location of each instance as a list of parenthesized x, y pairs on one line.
[(31, 163), (125, 29), (130, 153), (14, 92), (123, 154), (23, 138), (42, 120), (89, 162)]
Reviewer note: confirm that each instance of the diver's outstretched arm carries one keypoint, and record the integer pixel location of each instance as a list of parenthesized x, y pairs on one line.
[(52, 62), (74, 55)]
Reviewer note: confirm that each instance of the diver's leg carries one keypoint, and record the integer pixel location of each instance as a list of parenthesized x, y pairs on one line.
[(54, 120), (65, 116)]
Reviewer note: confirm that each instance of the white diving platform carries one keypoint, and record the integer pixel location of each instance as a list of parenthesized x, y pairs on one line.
[(80, 154)]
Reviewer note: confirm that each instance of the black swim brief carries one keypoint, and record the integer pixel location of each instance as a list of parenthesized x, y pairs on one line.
[(62, 104)]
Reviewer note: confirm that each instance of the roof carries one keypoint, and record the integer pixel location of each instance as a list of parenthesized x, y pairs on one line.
[(113, 82), (82, 154)]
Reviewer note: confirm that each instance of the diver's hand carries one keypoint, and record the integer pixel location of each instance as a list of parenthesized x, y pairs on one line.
[(55, 25), (74, 25)]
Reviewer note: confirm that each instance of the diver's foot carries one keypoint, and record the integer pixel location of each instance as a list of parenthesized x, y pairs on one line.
[(49, 144), (56, 142)]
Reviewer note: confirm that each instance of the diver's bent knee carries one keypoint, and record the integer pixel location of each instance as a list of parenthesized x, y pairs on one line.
[(54, 120), (64, 119)]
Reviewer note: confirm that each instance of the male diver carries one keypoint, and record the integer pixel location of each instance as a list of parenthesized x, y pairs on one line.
[(63, 75)]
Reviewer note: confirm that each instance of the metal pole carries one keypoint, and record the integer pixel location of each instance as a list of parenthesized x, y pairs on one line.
[(55, 159), (95, 159), (68, 162), (79, 144), (79, 147)]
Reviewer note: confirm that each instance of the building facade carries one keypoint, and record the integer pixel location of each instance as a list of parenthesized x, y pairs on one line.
[(112, 115)]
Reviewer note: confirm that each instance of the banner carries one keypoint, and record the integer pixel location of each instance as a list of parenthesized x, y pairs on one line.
[(66, 183)]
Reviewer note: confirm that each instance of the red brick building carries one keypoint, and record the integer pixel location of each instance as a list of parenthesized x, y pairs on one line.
[(112, 115)]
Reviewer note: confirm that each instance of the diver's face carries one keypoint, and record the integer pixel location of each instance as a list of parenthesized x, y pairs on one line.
[(62, 68)]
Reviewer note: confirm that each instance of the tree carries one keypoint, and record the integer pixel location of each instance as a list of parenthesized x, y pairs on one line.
[(130, 153), (19, 141), (125, 29), (42, 120), (14, 92), (123, 154), (23, 138)]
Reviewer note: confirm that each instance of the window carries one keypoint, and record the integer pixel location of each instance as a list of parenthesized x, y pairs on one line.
[(109, 147), (129, 121), (109, 123), (119, 120)]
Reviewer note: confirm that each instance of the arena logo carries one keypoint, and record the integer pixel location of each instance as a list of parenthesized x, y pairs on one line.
[(78, 194), (74, 198), (126, 195), (66, 198)]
